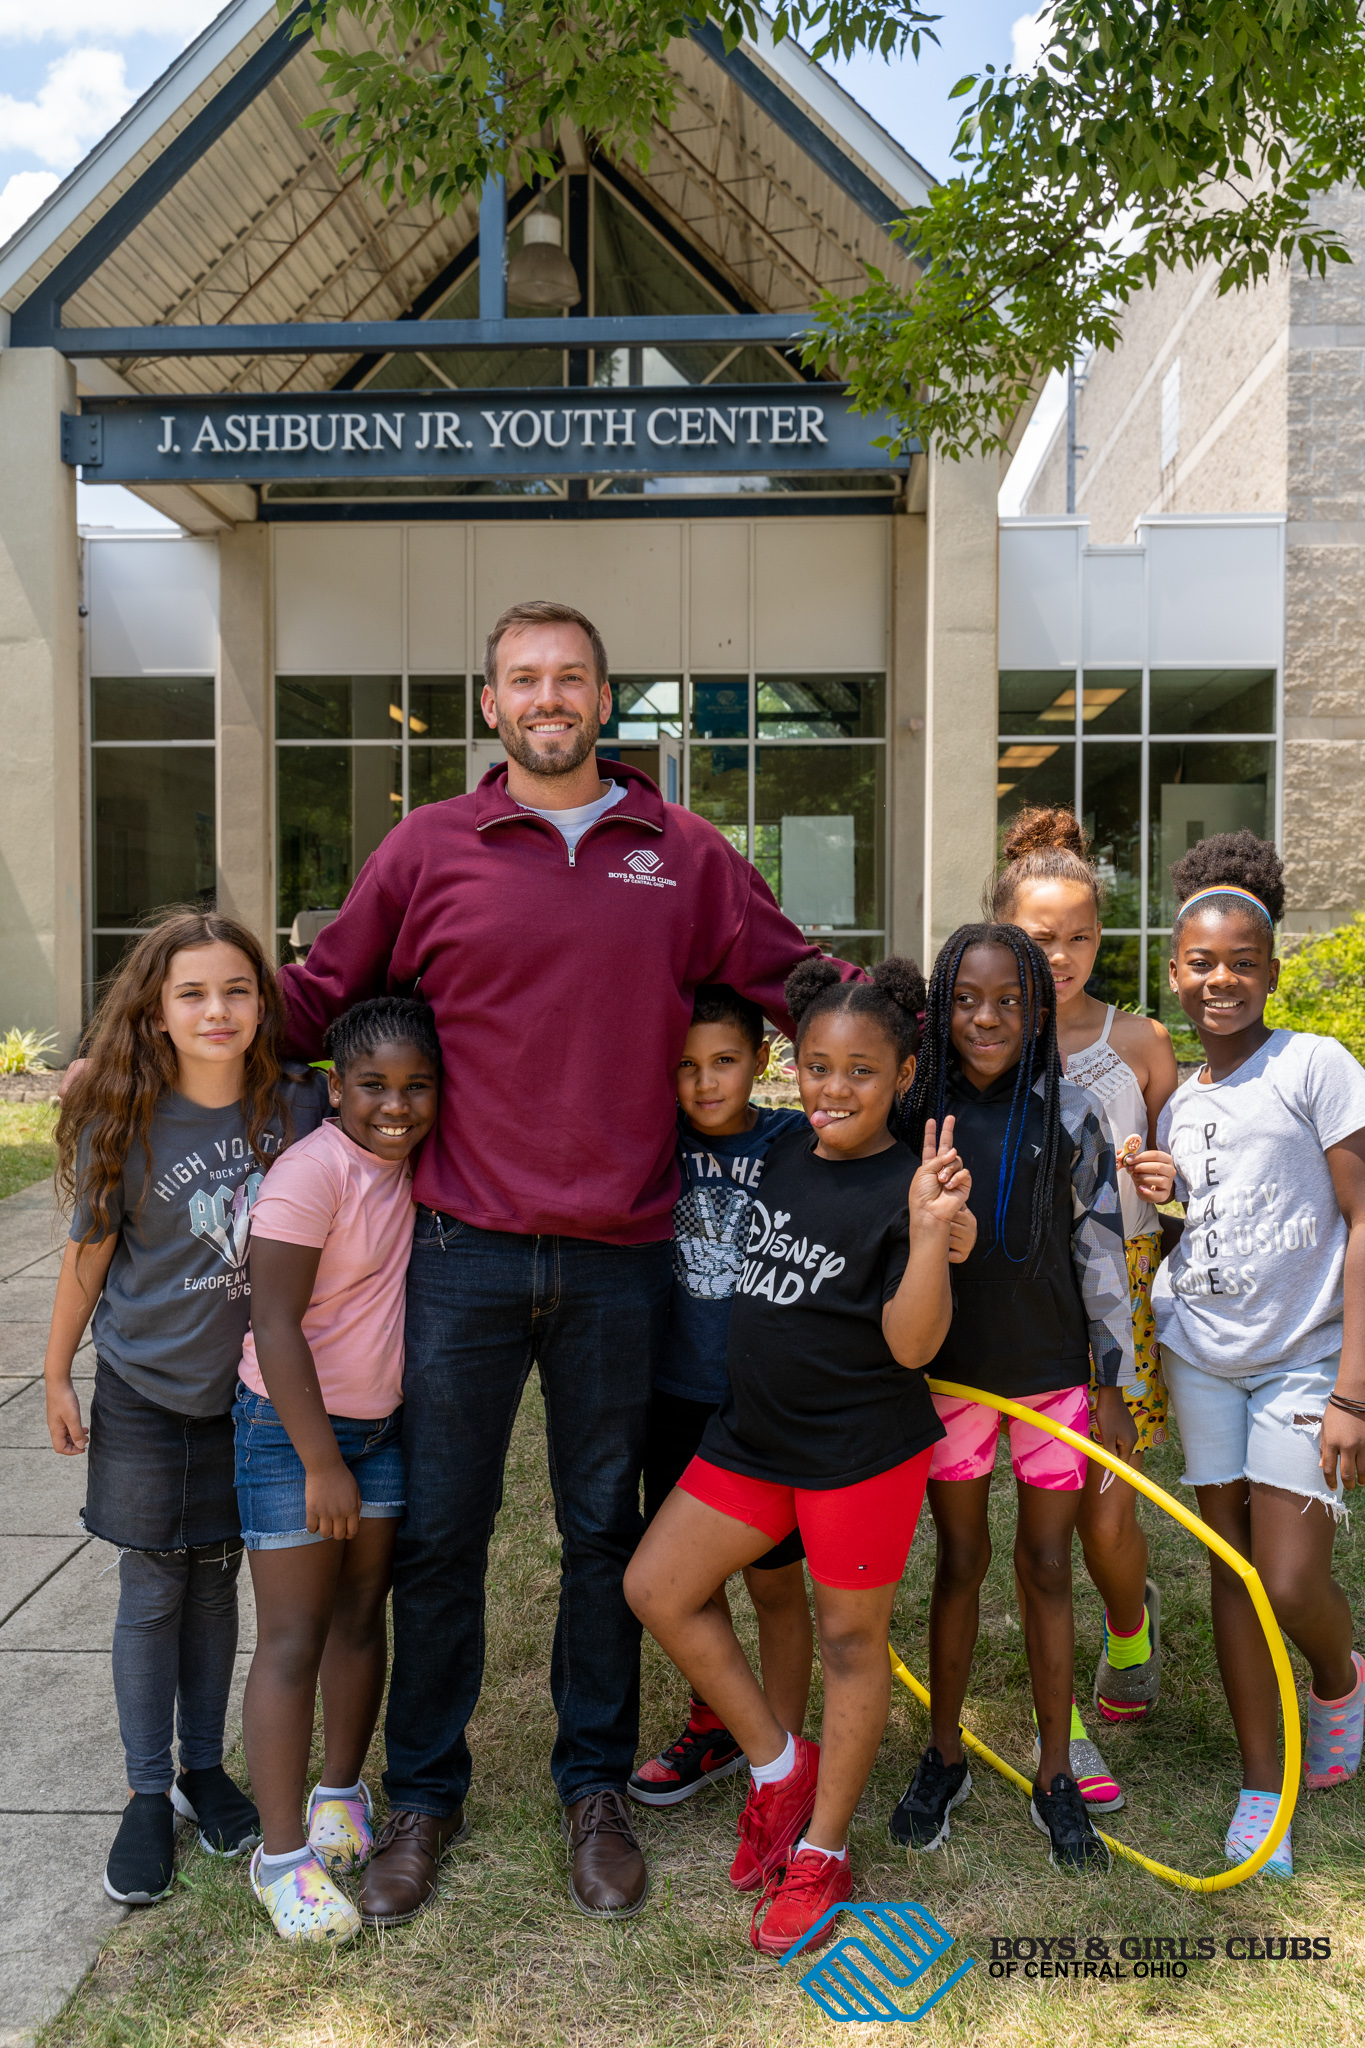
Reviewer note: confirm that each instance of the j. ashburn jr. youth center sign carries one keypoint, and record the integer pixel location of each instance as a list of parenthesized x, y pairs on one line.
[(573, 431)]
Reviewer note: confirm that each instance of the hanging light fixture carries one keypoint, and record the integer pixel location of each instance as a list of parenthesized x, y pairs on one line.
[(540, 274)]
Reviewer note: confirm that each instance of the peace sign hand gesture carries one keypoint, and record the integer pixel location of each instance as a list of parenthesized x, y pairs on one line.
[(939, 1190)]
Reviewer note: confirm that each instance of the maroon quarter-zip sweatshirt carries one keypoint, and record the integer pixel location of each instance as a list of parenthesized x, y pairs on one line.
[(562, 991)]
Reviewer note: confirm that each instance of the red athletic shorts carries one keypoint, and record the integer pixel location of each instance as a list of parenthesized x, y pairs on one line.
[(854, 1535)]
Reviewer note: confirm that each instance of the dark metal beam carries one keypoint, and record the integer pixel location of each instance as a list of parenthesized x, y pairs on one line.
[(36, 322), (345, 337), (772, 101)]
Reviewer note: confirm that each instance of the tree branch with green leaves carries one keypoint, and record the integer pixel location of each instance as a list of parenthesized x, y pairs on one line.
[(1154, 134)]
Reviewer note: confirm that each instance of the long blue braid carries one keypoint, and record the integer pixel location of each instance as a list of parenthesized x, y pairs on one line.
[(1039, 1057)]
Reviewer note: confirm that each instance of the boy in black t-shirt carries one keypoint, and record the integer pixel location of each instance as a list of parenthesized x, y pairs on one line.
[(723, 1139)]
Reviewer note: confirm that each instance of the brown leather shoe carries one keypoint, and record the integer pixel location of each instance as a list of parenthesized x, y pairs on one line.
[(400, 1877), (608, 1877)]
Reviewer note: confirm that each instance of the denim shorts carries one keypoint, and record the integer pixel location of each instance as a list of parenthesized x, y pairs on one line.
[(1266, 1428), (270, 1475)]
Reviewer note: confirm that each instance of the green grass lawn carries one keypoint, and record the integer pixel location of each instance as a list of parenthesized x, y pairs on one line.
[(27, 1152), (503, 1959)]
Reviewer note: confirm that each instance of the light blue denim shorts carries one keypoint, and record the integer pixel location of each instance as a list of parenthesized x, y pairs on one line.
[(270, 1476), (1266, 1427)]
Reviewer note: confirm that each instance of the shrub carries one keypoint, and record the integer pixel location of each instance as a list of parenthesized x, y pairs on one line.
[(1322, 987), (21, 1052)]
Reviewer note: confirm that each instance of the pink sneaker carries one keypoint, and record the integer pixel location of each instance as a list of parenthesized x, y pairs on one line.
[(796, 1896), (774, 1817)]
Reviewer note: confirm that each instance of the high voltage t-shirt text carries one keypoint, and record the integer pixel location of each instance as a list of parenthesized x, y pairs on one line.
[(1256, 1281)]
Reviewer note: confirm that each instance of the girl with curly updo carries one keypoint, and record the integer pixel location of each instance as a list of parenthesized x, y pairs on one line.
[(1261, 1314), (827, 1426), (1049, 887)]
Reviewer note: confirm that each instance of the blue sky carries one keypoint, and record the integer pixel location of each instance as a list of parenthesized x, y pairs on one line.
[(70, 68)]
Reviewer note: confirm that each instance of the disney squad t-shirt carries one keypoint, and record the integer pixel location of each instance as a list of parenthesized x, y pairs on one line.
[(710, 1231), (177, 1297), (816, 1398), (1255, 1283)]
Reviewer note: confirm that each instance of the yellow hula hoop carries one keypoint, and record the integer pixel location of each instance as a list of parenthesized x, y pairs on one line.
[(1289, 1790)]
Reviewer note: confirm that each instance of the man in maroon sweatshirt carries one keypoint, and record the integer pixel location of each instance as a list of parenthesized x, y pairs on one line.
[(557, 920)]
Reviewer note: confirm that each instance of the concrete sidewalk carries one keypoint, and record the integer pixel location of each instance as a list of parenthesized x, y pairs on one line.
[(62, 1781)]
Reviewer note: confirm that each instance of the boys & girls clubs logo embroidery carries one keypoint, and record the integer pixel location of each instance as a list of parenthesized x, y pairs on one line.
[(644, 865)]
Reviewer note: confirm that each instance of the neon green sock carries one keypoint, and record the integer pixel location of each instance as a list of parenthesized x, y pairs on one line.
[(1126, 1651), (1078, 1733)]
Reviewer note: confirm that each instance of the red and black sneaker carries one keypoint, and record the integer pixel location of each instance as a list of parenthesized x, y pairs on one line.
[(703, 1754)]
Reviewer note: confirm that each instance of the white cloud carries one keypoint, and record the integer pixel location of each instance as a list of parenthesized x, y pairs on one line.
[(1030, 35), (63, 21), (79, 100), (22, 195)]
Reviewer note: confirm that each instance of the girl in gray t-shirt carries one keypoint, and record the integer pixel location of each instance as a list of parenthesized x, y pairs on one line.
[(1261, 1315), (166, 1130)]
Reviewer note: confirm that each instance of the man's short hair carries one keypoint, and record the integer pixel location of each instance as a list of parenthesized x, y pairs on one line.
[(541, 611)]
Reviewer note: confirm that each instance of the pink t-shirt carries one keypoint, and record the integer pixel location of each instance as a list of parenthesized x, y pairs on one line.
[(326, 1190)]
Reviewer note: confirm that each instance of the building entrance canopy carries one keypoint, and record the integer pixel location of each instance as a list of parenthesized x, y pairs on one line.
[(724, 429)]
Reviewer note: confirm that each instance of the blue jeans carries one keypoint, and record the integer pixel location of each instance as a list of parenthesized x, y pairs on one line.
[(271, 1482), (174, 1641), (483, 1306)]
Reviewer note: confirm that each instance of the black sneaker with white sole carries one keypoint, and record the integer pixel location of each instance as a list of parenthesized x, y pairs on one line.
[(921, 1819), (141, 1866), (1061, 1815), (228, 1823), (700, 1757)]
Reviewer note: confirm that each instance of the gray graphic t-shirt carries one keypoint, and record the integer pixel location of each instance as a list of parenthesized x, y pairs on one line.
[(177, 1299), (1256, 1281)]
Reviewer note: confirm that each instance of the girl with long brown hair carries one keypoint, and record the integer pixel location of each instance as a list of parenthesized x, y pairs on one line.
[(165, 1134)]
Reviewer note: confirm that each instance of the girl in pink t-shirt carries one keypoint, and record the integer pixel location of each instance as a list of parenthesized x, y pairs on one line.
[(319, 1458)]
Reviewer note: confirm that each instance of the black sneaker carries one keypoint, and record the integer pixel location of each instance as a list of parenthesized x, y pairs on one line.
[(1060, 1815), (699, 1757), (141, 1866), (921, 1819), (228, 1823)]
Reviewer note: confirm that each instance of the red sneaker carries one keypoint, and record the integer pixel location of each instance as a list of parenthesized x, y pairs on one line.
[(774, 1817), (700, 1757), (796, 1895)]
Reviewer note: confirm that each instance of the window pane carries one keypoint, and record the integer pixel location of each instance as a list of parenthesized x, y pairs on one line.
[(1111, 807), (334, 804), (154, 838), (642, 707), (1112, 700), (434, 773), (1213, 700), (152, 707), (436, 707), (1163, 1004), (720, 791), (339, 707), (1033, 774), (822, 707), (1115, 979), (863, 952), (1038, 700), (720, 708), (1197, 791), (820, 832)]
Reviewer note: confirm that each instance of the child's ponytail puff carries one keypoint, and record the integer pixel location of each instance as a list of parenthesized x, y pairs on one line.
[(807, 983)]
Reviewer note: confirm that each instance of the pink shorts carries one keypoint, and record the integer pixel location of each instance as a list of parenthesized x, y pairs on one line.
[(968, 1450), (855, 1536)]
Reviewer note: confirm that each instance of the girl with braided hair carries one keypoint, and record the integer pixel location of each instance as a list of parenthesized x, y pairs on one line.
[(1044, 1286), (826, 1427), (1261, 1314), (1050, 889)]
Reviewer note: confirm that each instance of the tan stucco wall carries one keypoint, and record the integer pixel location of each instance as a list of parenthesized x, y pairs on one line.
[(961, 689), (1233, 436), (906, 728), (40, 702)]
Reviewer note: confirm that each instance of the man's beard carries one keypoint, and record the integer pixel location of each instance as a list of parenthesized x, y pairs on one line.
[(570, 751)]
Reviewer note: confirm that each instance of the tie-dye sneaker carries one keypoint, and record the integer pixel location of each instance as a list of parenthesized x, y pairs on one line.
[(1335, 1731), (1250, 1826), (304, 1904), (341, 1831)]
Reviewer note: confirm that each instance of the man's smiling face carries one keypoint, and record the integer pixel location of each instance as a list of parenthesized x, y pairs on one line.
[(548, 704)]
